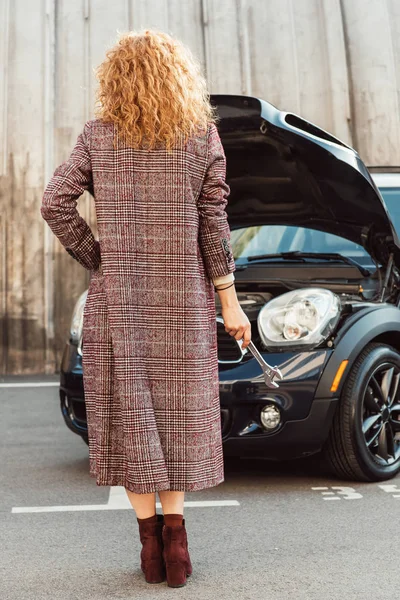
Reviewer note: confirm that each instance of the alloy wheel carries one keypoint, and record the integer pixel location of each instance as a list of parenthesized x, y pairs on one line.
[(381, 414)]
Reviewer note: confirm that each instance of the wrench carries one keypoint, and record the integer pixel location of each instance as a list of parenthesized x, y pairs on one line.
[(270, 373)]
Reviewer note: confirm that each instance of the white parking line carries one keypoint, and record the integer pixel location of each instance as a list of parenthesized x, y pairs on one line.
[(331, 497), (390, 488), (31, 384), (117, 500), (344, 491)]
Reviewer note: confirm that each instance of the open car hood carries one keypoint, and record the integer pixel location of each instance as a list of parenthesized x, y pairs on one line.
[(283, 170)]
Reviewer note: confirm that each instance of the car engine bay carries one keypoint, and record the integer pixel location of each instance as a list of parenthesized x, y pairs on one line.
[(259, 284)]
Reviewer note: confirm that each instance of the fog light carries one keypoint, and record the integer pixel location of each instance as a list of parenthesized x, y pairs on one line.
[(270, 417)]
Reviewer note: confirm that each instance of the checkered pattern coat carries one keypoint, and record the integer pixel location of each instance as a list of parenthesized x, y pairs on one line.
[(150, 368)]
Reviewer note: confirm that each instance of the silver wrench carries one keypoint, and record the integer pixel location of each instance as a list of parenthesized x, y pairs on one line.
[(270, 373)]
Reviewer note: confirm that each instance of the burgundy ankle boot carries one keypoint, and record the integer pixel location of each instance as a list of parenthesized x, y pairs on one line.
[(151, 555), (176, 554)]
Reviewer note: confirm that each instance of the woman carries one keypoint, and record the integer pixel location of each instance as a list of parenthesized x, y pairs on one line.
[(154, 161)]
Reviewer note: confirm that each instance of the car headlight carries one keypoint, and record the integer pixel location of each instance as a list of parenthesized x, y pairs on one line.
[(77, 318), (303, 318)]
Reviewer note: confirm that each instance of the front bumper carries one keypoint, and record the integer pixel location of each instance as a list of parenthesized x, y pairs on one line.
[(305, 421), (294, 439)]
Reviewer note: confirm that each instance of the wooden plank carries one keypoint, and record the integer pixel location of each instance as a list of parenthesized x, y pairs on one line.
[(339, 119), (222, 47), (373, 81), (25, 333), (4, 179), (72, 109), (105, 22)]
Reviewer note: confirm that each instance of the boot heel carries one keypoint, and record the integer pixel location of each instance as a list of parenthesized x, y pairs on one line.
[(176, 574), (151, 556), (154, 571), (177, 561)]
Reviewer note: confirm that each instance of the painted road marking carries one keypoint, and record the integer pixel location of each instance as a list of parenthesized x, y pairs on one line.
[(345, 492), (117, 500), (32, 384), (390, 488)]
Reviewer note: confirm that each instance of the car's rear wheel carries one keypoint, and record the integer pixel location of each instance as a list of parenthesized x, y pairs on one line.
[(364, 441)]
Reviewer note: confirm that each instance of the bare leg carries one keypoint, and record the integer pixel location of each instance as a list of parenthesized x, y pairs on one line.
[(171, 501), (143, 504)]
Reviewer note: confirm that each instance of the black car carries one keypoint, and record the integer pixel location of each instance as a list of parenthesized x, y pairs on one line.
[(317, 272)]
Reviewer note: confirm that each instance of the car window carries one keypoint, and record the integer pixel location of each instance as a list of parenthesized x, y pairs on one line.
[(271, 239), (391, 197)]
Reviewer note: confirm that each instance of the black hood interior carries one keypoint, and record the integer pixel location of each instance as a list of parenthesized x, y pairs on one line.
[(284, 170)]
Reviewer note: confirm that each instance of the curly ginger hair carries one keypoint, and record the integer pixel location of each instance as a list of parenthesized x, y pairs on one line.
[(152, 87)]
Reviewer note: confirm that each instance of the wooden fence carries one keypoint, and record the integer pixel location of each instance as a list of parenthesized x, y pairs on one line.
[(335, 62)]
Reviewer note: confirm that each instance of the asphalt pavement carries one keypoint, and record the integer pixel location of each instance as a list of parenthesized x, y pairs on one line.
[(270, 531)]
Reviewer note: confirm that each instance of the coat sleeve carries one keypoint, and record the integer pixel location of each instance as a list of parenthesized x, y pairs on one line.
[(214, 231), (59, 201)]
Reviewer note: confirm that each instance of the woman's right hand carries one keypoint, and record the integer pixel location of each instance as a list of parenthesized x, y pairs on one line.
[(237, 324)]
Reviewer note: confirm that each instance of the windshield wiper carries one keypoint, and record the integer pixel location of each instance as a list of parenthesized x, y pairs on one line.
[(297, 255)]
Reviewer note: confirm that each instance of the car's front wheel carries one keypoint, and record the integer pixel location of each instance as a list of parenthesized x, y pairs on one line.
[(364, 441)]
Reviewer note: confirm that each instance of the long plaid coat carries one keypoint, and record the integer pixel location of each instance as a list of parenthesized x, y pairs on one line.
[(150, 368)]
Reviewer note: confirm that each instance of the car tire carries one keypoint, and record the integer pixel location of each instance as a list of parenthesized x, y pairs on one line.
[(349, 452), (85, 439)]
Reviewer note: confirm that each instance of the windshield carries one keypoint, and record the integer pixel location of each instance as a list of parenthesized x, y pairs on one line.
[(272, 239)]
